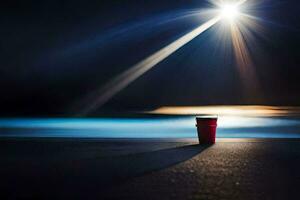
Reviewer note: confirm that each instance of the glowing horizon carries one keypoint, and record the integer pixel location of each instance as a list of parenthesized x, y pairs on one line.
[(229, 110)]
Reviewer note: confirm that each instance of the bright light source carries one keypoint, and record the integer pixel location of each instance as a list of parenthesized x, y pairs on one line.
[(229, 11)]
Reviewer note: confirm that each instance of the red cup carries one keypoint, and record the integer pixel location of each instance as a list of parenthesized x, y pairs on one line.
[(206, 127)]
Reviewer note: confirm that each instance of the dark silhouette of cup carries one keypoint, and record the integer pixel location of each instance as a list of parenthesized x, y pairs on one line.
[(206, 128)]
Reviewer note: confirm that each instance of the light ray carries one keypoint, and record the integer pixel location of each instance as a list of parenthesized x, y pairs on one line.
[(227, 10), (244, 62), (123, 80)]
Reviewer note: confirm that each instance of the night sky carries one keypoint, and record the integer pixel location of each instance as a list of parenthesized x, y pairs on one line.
[(55, 52)]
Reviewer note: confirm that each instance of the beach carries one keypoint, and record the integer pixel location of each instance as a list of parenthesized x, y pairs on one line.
[(149, 168), (150, 100)]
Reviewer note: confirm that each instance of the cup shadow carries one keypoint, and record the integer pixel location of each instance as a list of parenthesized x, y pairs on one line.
[(93, 176), (113, 171), (126, 167)]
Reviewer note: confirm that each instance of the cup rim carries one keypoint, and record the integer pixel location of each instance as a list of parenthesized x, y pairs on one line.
[(207, 116)]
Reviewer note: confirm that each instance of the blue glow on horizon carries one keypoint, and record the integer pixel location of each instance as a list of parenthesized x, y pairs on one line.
[(179, 127)]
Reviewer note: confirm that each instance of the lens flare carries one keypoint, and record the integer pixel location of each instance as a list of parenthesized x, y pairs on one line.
[(239, 37), (229, 11), (240, 26), (101, 96)]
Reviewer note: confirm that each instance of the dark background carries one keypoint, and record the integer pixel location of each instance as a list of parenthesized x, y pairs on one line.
[(55, 52)]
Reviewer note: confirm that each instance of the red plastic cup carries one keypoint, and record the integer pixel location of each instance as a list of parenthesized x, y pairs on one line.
[(206, 127)]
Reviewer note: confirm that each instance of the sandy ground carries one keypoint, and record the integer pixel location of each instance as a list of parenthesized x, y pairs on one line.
[(149, 169)]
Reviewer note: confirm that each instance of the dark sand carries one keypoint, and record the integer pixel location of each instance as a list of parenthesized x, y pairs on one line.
[(149, 169)]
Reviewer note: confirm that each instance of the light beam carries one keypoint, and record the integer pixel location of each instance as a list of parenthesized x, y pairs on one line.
[(244, 62), (227, 11), (99, 97)]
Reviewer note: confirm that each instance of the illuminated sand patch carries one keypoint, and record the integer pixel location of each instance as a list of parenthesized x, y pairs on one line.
[(253, 110)]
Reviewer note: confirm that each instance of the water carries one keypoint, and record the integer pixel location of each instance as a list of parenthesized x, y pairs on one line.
[(149, 127)]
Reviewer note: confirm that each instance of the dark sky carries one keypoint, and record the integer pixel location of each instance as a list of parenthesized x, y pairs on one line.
[(55, 52)]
